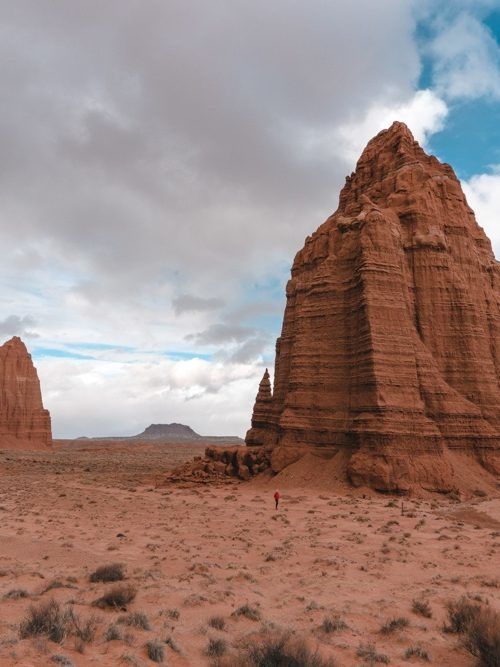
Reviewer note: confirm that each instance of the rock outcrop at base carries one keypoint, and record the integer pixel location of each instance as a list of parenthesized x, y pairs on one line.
[(390, 346), (219, 463), (24, 423)]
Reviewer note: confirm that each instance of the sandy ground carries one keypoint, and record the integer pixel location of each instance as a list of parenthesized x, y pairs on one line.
[(199, 552)]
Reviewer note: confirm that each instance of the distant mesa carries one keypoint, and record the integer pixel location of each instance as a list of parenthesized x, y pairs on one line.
[(389, 354), (168, 432), (24, 423)]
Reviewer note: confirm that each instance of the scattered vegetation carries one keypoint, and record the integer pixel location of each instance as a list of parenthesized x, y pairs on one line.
[(417, 652), (83, 630), (282, 651), (155, 650), (422, 608), (137, 619), (16, 594), (117, 597), (394, 624), (369, 653), (248, 611), (61, 660), (173, 614), (333, 624), (113, 632), (217, 622), (46, 618), (108, 573), (480, 628), (216, 648)]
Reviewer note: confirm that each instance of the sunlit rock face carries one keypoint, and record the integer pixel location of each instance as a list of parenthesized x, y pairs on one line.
[(24, 424), (390, 346)]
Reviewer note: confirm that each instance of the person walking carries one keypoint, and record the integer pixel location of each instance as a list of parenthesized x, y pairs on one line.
[(277, 498)]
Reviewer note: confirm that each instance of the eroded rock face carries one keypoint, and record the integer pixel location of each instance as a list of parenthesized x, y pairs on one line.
[(24, 424), (390, 346)]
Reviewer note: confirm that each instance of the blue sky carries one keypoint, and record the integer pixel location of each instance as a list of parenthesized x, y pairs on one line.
[(163, 163)]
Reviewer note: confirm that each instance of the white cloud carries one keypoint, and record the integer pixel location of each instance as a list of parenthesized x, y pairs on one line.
[(483, 194), (424, 113), (466, 59), (117, 398)]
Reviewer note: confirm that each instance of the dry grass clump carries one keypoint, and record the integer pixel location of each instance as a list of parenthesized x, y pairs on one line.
[(480, 628), (417, 652), (46, 618), (217, 622), (394, 624), (113, 632), (369, 653), (117, 597), (155, 650), (16, 594), (136, 619), (108, 573), (50, 620), (216, 648), (247, 611), (422, 608), (281, 651), (333, 624)]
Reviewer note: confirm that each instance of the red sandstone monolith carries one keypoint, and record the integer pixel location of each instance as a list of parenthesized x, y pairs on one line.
[(24, 424), (390, 346)]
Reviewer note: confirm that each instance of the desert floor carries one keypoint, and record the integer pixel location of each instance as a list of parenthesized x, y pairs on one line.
[(196, 553)]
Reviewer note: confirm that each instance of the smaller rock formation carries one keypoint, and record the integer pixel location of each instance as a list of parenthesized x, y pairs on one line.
[(220, 463), (24, 423)]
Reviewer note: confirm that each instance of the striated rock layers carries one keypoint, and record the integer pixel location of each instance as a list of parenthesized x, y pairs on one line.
[(390, 346), (24, 424)]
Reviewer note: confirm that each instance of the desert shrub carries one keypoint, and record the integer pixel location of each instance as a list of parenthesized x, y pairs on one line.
[(394, 624), (482, 636), (62, 660), (460, 615), (46, 618), (422, 608), (333, 624), (137, 619), (155, 650), (117, 597), (248, 611), (113, 632), (369, 653), (170, 641), (83, 630), (108, 573), (216, 648), (174, 614), (217, 622), (417, 652), (16, 594), (283, 651)]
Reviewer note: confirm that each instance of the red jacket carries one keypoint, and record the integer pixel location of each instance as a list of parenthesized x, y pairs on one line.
[(277, 495)]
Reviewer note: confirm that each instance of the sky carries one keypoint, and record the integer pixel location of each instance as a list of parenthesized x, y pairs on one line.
[(164, 160)]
